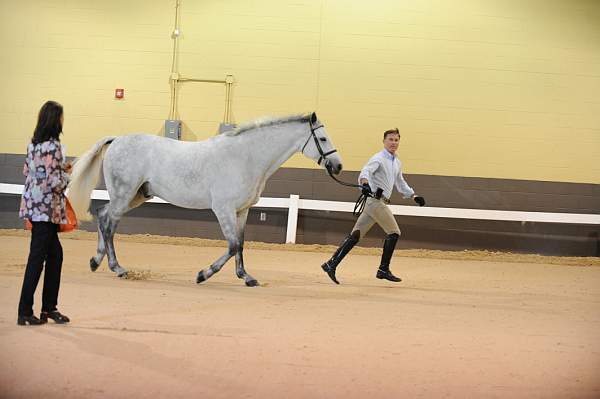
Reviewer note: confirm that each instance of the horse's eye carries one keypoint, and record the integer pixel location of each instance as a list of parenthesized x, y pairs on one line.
[(322, 138)]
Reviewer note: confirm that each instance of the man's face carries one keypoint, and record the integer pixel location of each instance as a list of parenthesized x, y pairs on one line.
[(391, 142)]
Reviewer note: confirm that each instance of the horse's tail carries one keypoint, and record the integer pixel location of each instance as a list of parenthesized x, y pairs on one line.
[(84, 178)]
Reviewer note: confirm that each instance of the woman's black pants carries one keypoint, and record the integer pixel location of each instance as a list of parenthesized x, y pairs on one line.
[(45, 248)]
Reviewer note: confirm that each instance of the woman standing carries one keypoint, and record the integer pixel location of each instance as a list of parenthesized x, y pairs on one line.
[(43, 203)]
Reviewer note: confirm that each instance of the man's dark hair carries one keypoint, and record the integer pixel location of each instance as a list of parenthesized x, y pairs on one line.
[(391, 131), (48, 124)]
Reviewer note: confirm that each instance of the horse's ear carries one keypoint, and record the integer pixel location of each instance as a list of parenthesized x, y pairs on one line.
[(313, 118)]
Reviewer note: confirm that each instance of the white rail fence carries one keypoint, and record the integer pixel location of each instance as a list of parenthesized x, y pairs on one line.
[(295, 203)]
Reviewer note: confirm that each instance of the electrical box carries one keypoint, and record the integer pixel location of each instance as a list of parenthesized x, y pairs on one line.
[(223, 127), (173, 129)]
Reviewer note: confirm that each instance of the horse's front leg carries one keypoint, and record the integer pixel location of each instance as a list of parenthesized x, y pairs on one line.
[(205, 274), (227, 220), (250, 281)]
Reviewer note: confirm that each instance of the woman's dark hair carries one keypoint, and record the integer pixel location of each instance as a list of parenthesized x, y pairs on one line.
[(48, 124)]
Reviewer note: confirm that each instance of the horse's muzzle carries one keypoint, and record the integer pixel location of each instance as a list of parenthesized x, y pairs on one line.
[(335, 169)]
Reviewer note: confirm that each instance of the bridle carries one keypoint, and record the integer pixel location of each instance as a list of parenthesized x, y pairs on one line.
[(362, 199), (322, 155)]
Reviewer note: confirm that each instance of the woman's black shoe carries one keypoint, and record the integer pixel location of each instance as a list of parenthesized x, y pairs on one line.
[(31, 320), (54, 315)]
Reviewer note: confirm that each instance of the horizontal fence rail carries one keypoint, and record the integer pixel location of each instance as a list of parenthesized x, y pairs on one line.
[(295, 203)]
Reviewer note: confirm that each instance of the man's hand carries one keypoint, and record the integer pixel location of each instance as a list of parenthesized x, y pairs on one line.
[(366, 189), (419, 200)]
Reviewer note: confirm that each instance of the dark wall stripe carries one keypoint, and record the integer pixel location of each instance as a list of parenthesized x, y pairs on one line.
[(417, 232)]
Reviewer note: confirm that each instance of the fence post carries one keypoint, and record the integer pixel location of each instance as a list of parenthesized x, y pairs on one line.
[(292, 224)]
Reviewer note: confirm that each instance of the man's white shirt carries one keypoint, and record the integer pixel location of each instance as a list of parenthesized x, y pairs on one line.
[(384, 171)]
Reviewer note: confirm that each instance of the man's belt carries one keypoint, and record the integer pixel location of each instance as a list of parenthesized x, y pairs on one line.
[(379, 196)]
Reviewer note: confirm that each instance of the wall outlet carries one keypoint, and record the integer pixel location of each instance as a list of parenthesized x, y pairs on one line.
[(263, 216)]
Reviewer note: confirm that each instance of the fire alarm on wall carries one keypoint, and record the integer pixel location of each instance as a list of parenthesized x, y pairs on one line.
[(119, 93)]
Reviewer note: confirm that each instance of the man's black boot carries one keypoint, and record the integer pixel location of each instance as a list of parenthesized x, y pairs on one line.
[(384, 272), (345, 247)]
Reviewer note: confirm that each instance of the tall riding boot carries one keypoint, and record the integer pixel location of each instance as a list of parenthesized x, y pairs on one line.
[(388, 250), (345, 247)]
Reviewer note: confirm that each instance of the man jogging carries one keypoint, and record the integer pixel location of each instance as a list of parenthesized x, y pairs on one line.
[(378, 178)]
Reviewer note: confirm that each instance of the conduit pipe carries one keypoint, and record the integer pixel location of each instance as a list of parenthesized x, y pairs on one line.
[(176, 79)]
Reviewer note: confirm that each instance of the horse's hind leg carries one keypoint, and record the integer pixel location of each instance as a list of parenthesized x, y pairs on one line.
[(107, 224), (228, 222), (95, 261), (250, 281), (122, 200)]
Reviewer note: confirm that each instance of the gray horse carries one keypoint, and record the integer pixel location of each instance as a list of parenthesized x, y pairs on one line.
[(226, 173)]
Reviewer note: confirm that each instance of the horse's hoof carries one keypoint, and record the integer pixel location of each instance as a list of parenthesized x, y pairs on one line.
[(252, 283), (200, 278), (121, 272), (93, 264)]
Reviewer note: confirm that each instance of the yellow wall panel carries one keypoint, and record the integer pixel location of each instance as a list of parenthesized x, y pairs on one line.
[(486, 88)]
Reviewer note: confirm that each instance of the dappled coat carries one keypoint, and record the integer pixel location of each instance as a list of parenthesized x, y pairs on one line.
[(43, 197)]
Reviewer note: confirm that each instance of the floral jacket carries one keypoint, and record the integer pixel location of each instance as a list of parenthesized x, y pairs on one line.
[(43, 197)]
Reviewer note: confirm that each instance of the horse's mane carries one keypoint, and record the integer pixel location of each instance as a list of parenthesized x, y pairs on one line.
[(266, 121)]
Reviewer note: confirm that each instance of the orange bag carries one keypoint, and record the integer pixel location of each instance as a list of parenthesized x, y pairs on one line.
[(62, 228)]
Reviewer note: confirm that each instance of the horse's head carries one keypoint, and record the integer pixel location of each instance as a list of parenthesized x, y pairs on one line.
[(319, 147)]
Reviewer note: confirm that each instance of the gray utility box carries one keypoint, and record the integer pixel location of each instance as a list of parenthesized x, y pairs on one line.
[(224, 127), (173, 129)]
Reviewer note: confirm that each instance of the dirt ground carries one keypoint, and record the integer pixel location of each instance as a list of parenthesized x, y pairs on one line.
[(466, 324)]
